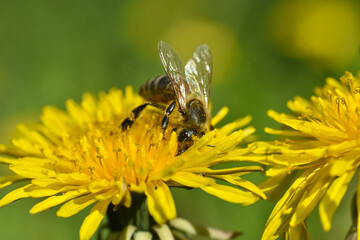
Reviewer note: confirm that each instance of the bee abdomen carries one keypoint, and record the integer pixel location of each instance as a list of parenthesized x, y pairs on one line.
[(158, 89)]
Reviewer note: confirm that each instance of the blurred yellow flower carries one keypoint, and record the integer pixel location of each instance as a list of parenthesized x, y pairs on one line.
[(81, 156), (320, 147), (323, 31), (187, 34), (183, 25)]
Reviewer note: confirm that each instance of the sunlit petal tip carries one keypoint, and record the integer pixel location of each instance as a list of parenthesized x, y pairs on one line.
[(8, 180), (219, 116), (272, 113), (93, 220), (14, 195)]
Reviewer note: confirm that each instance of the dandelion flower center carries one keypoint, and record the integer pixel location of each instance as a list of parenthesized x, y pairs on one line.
[(132, 155)]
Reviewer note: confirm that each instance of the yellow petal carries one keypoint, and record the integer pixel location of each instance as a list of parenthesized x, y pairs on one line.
[(245, 184), (34, 168), (89, 103), (226, 144), (274, 186), (342, 147), (299, 105), (8, 160), (45, 182), (127, 200), (8, 180), (332, 198), (314, 192), (230, 127), (278, 154), (99, 185), (292, 133), (92, 221), (298, 232), (219, 116), (160, 202), (260, 155), (192, 180), (11, 150), (75, 178), (56, 121), (35, 137), (25, 145), (27, 191), (231, 194), (282, 213), (76, 205), (232, 171), (56, 200), (344, 164), (358, 205), (77, 113), (117, 199), (312, 129), (15, 195), (38, 192), (273, 180)]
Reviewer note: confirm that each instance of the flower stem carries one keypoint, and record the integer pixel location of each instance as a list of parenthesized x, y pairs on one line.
[(136, 215), (352, 233)]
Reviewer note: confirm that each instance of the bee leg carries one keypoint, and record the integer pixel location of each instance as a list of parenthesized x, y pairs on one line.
[(200, 134), (128, 122), (185, 140), (165, 120)]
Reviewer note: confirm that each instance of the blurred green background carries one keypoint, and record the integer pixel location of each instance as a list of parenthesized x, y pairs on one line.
[(265, 52)]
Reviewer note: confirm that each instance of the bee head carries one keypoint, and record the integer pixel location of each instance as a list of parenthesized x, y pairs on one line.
[(195, 117)]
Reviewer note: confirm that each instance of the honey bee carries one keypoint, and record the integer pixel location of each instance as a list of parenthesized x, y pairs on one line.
[(185, 89)]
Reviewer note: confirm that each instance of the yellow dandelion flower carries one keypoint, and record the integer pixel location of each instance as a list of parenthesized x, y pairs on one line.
[(321, 143), (324, 32), (81, 156)]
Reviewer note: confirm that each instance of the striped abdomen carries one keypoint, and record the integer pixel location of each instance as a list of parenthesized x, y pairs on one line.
[(158, 89)]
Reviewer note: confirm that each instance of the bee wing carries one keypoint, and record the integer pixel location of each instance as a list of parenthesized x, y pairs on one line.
[(175, 70), (198, 72)]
